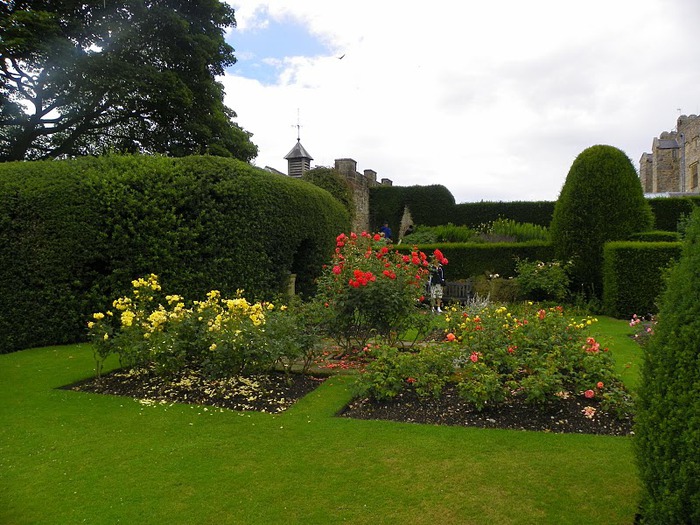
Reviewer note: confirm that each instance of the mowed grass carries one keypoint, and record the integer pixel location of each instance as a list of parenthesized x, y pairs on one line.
[(69, 457)]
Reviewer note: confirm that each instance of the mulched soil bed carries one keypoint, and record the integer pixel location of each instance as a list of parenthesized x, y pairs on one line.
[(270, 393), (564, 416), (273, 393)]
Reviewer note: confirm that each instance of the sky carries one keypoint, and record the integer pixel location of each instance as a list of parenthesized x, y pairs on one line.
[(493, 100)]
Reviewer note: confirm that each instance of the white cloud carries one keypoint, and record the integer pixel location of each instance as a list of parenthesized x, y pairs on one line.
[(492, 100)]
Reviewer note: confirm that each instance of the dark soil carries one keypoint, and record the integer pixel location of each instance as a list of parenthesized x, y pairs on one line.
[(270, 393), (562, 416), (273, 393)]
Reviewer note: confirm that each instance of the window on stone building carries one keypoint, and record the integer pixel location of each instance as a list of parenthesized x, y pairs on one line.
[(694, 176)]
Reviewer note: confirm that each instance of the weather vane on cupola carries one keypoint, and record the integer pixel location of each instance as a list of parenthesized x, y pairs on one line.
[(298, 126)]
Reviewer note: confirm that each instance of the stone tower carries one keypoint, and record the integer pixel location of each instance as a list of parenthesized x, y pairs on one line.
[(298, 160), (672, 166)]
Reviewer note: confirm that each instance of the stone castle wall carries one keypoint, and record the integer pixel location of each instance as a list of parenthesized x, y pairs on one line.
[(672, 166), (360, 183)]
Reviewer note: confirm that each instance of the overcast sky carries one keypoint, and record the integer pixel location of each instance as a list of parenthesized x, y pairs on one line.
[(494, 100)]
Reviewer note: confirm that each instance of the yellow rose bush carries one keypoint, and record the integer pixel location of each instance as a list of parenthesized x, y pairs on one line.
[(221, 336)]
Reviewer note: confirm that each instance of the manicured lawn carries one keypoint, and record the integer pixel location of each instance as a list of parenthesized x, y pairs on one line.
[(69, 457)]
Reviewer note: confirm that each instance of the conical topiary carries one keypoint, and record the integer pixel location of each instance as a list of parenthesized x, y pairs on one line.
[(601, 200)]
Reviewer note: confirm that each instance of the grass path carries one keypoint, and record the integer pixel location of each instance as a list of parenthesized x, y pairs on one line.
[(69, 457)]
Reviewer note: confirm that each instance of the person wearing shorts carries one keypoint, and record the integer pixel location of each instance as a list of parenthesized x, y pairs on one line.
[(437, 280)]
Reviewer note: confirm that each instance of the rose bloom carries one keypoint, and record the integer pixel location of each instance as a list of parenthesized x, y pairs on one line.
[(589, 412), (337, 270), (600, 384), (589, 394), (474, 357), (451, 336)]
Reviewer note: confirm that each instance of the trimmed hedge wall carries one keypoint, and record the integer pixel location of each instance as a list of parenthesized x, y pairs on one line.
[(633, 276), (429, 205), (73, 234), (473, 214), (435, 205), (656, 236), (668, 211), (471, 259)]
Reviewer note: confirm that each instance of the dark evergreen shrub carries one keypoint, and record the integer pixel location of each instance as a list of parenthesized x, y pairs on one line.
[(601, 201), (50, 250), (656, 236), (471, 259), (73, 234), (633, 276), (667, 433), (475, 214), (429, 205), (668, 211), (334, 183)]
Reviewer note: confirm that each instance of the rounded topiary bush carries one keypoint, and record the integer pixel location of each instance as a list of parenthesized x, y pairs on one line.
[(601, 201), (668, 419), (75, 233)]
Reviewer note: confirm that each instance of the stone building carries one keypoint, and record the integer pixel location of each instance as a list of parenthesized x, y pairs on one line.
[(672, 165), (299, 161)]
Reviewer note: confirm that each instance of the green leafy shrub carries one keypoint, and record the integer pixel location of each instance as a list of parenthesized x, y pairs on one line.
[(439, 234), (370, 290), (221, 337), (668, 421), (500, 355), (496, 288), (540, 281), (473, 214), (508, 230), (601, 201)]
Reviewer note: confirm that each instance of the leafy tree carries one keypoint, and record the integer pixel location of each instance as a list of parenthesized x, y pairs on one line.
[(86, 77), (668, 419), (601, 200)]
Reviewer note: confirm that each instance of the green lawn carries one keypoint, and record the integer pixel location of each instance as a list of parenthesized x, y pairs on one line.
[(69, 457)]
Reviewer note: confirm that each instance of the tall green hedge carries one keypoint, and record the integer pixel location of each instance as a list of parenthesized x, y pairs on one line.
[(669, 210), (429, 205), (667, 432), (473, 214), (633, 276), (73, 234), (472, 259)]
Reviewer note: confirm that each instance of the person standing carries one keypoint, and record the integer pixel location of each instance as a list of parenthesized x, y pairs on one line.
[(386, 231), (436, 282)]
